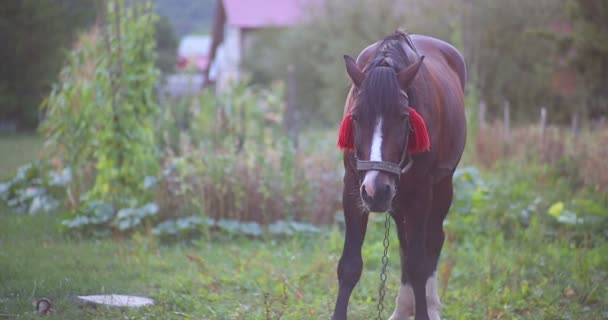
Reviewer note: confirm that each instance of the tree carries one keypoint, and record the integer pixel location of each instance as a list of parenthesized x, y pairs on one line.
[(510, 58), (166, 45), (35, 34), (589, 38)]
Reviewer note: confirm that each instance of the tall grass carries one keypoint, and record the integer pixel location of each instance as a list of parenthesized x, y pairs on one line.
[(228, 157), (581, 158)]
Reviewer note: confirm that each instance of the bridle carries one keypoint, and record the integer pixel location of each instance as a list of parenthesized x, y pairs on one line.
[(395, 168)]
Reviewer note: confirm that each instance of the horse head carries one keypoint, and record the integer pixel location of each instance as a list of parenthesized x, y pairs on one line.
[(381, 125)]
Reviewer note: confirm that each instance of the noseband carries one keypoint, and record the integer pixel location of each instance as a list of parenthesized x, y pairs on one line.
[(398, 169)]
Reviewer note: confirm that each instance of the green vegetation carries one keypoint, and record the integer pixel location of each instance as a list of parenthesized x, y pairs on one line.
[(521, 244), (507, 256), (204, 204), (101, 116), (532, 54), (34, 35), (17, 150)]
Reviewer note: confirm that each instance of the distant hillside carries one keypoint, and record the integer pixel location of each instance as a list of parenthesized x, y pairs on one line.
[(188, 16)]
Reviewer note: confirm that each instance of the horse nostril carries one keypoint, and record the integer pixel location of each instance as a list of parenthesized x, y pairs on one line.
[(364, 193), (386, 190)]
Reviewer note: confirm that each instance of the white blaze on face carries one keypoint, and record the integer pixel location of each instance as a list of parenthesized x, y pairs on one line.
[(374, 155)]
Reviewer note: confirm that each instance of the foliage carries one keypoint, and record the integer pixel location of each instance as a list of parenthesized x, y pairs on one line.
[(228, 158), (579, 157), (500, 40), (100, 117), (495, 265), (34, 35), (513, 200), (589, 41), (166, 45), (34, 189), (505, 41)]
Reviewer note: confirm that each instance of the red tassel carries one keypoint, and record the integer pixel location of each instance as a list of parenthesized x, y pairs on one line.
[(346, 139), (419, 139)]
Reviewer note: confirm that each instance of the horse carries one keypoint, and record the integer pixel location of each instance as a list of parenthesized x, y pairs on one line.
[(402, 135)]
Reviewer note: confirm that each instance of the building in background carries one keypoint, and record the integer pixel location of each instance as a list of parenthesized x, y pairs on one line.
[(193, 53), (234, 22)]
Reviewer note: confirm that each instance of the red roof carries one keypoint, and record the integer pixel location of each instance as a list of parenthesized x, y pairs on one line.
[(263, 13)]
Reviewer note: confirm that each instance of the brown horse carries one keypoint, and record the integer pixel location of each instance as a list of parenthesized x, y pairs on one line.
[(394, 80)]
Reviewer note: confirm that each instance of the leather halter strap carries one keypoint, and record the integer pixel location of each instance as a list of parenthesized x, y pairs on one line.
[(389, 167), (395, 168)]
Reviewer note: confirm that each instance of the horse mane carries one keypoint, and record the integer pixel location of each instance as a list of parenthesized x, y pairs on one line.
[(381, 88), (391, 53)]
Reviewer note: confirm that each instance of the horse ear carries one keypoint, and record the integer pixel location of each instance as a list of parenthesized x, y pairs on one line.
[(355, 74), (407, 76)]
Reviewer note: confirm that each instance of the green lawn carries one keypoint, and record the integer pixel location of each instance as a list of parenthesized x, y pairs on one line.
[(17, 149), (492, 267), (239, 278)]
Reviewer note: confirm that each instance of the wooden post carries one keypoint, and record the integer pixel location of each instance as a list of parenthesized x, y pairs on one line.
[(542, 127), (482, 114), (574, 125), (507, 130), (290, 120), (507, 119)]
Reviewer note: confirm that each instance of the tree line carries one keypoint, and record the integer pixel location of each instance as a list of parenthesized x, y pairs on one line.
[(533, 54), (36, 37)]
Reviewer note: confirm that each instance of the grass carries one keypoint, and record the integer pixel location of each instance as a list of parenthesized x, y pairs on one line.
[(487, 271), (233, 277), (17, 149)]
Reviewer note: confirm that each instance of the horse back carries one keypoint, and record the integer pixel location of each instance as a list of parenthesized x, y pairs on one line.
[(441, 86)]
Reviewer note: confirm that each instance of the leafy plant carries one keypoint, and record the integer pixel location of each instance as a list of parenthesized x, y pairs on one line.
[(100, 116), (35, 189)]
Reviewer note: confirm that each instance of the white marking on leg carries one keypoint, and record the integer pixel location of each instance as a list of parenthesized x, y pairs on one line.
[(404, 303), (374, 155), (432, 297)]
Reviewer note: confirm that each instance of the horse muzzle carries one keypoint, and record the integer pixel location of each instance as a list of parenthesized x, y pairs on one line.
[(377, 191)]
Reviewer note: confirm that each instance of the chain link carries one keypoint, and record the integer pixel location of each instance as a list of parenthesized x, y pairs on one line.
[(382, 289)]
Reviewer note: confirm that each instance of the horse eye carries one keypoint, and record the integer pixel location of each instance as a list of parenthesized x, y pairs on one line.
[(355, 117)]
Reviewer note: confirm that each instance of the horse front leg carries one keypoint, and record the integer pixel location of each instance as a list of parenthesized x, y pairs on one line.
[(351, 262)]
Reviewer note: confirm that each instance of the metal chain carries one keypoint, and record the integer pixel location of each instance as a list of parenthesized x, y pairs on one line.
[(381, 290)]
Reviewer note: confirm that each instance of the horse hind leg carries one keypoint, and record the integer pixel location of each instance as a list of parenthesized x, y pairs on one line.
[(404, 303)]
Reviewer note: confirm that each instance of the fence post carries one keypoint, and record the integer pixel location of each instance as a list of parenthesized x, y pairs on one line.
[(290, 121), (574, 125), (507, 126), (482, 114), (542, 127)]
